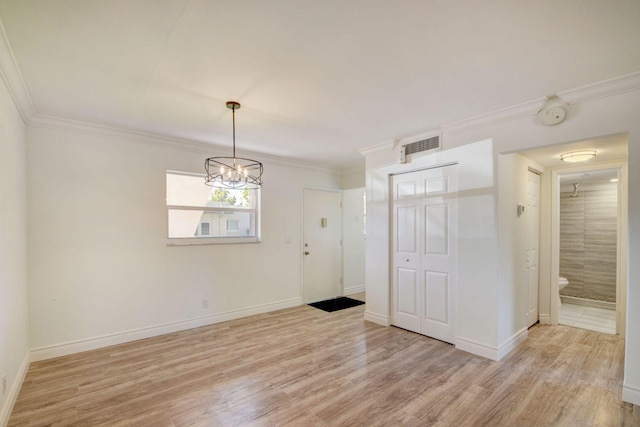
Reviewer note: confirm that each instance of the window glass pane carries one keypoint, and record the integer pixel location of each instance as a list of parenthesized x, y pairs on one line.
[(205, 228), (190, 190), (191, 223), (187, 190), (233, 198)]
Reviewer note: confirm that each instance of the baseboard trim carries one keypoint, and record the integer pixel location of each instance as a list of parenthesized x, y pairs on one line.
[(631, 394), (354, 290), (477, 348), (376, 318), (544, 319), (492, 353), (7, 407), (73, 347), (515, 340)]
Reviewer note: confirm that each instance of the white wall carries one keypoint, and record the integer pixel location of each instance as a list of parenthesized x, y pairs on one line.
[(512, 276), (612, 107), (14, 338), (100, 269), (631, 386), (353, 240), (353, 178)]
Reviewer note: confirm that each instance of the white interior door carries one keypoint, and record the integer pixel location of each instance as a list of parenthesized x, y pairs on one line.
[(425, 252), (532, 217), (407, 227), (322, 251)]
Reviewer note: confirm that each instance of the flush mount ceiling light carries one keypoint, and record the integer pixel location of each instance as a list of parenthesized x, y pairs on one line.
[(578, 156), (233, 172)]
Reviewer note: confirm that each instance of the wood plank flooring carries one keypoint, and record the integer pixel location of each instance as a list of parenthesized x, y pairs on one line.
[(305, 367)]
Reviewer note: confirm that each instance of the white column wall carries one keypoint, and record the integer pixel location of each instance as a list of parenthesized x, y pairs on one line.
[(513, 237), (631, 385), (101, 271), (14, 334), (353, 240)]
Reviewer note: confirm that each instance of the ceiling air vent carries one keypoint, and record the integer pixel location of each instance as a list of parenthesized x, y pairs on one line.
[(419, 146)]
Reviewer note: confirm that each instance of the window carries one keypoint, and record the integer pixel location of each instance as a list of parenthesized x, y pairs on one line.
[(199, 214), (233, 225), (204, 229)]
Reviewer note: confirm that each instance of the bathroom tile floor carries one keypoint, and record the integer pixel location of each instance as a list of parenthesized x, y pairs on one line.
[(592, 318)]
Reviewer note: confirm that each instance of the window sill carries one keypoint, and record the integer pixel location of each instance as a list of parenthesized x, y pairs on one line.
[(212, 241)]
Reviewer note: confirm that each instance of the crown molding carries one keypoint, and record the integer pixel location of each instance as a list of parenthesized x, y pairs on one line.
[(611, 87), (602, 89), (525, 109), (10, 74), (383, 146), (200, 147)]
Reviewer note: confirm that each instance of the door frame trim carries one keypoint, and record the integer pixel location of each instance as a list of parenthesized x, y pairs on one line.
[(622, 244), (438, 166)]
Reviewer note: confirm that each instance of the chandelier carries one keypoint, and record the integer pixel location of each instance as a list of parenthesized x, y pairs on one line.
[(233, 172)]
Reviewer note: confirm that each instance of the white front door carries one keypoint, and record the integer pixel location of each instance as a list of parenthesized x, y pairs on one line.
[(425, 219), (532, 218), (322, 251)]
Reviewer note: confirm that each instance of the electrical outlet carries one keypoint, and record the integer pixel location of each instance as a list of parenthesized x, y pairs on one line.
[(205, 303), (4, 384)]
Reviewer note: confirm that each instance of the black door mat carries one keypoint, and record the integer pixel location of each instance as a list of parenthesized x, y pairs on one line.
[(336, 304)]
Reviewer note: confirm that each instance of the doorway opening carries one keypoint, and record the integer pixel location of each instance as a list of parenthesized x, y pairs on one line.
[(589, 234), (558, 241)]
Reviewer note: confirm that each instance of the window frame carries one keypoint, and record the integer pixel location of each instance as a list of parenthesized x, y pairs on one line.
[(236, 223), (204, 240), (200, 233)]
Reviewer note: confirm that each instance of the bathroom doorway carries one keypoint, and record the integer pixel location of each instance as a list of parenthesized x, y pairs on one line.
[(611, 154), (589, 204)]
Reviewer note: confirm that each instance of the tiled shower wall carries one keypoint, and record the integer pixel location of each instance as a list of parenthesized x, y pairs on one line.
[(588, 240)]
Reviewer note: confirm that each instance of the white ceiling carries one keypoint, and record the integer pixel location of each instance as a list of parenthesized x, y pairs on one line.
[(317, 79), (609, 148)]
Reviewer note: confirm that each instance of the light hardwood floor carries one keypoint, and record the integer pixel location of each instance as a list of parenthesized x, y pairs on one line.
[(306, 367)]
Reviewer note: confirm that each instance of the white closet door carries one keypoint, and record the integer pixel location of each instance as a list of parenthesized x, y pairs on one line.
[(532, 216), (425, 252), (406, 261), (439, 252)]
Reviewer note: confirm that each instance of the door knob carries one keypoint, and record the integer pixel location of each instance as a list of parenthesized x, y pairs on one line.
[(306, 252)]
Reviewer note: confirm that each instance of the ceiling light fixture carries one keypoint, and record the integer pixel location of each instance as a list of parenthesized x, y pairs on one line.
[(233, 172), (578, 156)]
